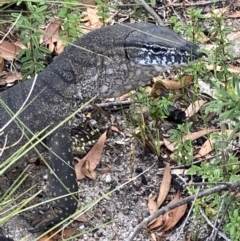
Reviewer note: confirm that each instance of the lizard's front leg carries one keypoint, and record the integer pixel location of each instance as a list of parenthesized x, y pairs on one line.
[(62, 181)]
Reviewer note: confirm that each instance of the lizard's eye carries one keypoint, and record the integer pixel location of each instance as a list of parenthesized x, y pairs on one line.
[(155, 49)]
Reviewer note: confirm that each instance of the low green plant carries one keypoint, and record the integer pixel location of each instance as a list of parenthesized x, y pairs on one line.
[(102, 11), (224, 165), (183, 152), (71, 27), (192, 29), (158, 110), (28, 23)]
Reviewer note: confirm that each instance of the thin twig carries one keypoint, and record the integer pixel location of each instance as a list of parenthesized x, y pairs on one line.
[(189, 213), (151, 11), (108, 105), (192, 4), (215, 231), (213, 227), (227, 208), (185, 200), (20, 14)]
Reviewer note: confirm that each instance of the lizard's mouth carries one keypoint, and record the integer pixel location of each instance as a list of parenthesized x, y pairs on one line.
[(162, 55)]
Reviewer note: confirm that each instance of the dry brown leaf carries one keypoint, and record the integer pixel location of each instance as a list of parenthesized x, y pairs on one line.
[(217, 12), (203, 38), (208, 145), (194, 108), (186, 80), (152, 204), (115, 128), (1, 63), (12, 77), (180, 171), (65, 233), (68, 232), (92, 159), (47, 238), (156, 223), (51, 47), (170, 146), (165, 185), (205, 149), (153, 237), (87, 172), (78, 168), (234, 15), (160, 83), (20, 44), (197, 134), (125, 96), (60, 46), (218, 68), (87, 165), (105, 169), (234, 68), (9, 50), (9, 77), (94, 18), (152, 207), (52, 32), (173, 216), (82, 218)]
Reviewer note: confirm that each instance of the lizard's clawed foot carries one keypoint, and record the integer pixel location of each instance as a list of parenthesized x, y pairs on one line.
[(42, 222)]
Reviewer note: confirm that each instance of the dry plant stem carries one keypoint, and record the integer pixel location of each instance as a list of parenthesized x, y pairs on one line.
[(10, 28), (213, 227), (189, 213), (146, 221), (108, 105), (207, 183), (192, 4), (226, 209), (215, 231), (151, 11)]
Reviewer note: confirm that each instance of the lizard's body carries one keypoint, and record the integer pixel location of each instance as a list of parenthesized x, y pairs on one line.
[(110, 62)]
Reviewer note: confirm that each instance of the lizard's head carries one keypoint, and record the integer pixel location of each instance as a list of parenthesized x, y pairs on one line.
[(149, 44), (131, 55)]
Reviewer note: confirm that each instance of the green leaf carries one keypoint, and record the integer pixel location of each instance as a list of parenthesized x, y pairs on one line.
[(41, 9)]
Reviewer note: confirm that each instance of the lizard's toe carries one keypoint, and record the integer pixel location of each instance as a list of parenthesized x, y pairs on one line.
[(42, 222)]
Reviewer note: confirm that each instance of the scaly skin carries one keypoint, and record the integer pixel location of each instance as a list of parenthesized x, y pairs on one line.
[(107, 62)]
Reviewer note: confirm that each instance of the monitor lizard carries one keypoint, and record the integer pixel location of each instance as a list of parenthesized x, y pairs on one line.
[(107, 62)]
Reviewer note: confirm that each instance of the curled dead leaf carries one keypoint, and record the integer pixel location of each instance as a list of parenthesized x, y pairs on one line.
[(165, 185), (173, 216), (87, 165), (170, 145), (1, 63), (194, 108), (197, 134), (160, 83), (94, 18), (52, 32), (152, 204), (8, 50), (205, 149)]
